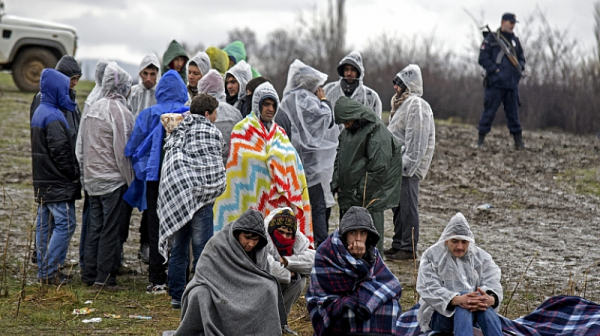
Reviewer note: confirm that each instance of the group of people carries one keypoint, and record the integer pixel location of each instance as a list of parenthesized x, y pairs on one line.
[(205, 147)]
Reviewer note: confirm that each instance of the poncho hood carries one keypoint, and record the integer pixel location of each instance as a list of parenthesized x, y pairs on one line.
[(457, 228), (411, 76), (347, 109), (243, 74), (354, 58), (171, 88), (262, 92), (116, 81), (218, 59), (54, 87), (149, 59), (212, 84), (237, 50), (173, 51), (202, 61), (302, 76)]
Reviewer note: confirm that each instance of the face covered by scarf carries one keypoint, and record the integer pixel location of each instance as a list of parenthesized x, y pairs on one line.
[(286, 219)]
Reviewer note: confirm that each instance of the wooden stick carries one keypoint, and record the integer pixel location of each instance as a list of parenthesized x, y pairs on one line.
[(517, 285), (108, 276), (26, 261), (365, 189), (415, 294), (4, 269)]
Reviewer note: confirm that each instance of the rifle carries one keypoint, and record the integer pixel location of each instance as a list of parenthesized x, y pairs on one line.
[(512, 58)]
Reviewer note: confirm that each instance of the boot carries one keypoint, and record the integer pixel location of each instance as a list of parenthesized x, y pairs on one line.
[(519, 144), (480, 140)]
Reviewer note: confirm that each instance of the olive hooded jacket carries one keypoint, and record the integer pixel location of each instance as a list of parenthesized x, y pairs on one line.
[(368, 164), (173, 51)]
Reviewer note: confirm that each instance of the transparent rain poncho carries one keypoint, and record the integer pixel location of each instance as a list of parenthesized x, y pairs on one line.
[(243, 74), (140, 97), (103, 134), (314, 132), (362, 93), (218, 59), (202, 61), (227, 115), (413, 125), (443, 276), (95, 93)]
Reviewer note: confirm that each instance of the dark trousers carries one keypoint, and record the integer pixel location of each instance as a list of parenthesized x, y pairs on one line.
[(103, 243), (406, 215), (157, 268), (85, 220), (510, 99), (319, 213), (144, 228)]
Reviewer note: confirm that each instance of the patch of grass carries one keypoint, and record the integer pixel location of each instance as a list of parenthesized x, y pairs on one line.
[(585, 181)]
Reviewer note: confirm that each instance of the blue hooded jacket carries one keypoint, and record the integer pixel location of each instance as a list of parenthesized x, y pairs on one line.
[(54, 166), (145, 144)]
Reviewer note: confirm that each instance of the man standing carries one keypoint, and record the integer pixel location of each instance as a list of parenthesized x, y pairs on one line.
[(459, 284), (105, 129), (368, 164), (412, 125), (143, 93), (503, 72), (192, 177), (352, 73), (351, 290), (175, 58), (314, 136), (236, 79), (56, 176)]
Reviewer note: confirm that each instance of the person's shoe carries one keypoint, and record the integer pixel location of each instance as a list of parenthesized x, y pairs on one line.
[(156, 289), (519, 144), (480, 141), (106, 287), (288, 331), (175, 304), (144, 253), (390, 251), (401, 255), (123, 270), (55, 279)]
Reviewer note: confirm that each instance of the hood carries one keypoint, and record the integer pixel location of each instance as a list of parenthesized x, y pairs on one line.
[(347, 109), (212, 84), (202, 61), (302, 76), (457, 228), (68, 66), (100, 68), (115, 81), (411, 77), (149, 59), (243, 74), (237, 50), (354, 58), (54, 87), (171, 88), (252, 221), (27, 22), (173, 51), (358, 218), (263, 91), (218, 59)]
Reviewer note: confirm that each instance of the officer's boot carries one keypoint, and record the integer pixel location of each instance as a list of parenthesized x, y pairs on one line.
[(480, 140), (519, 144)]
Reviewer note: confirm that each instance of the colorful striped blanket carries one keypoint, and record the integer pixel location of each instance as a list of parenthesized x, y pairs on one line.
[(264, 173)]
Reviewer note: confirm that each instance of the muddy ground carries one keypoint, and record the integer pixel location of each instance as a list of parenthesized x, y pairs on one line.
[(544, 199)]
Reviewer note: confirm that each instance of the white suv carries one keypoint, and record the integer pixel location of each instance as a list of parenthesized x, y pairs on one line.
[(28, 46)]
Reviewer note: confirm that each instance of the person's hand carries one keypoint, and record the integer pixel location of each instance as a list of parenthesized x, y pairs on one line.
[(320, 93), (497, 70), (357, 249), (293, 275), (474, 301), (283, 261)]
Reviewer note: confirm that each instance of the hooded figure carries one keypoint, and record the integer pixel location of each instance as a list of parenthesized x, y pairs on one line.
[(264, 172), (202, 62), (349, 295), (356, 90), (105, 129), (227, 116), (314, 136), (232, 294), (242, 74), (236, 51), (142, 97), (444, 276), (368, 164), (218, 60), (95, 93), (173, 51)]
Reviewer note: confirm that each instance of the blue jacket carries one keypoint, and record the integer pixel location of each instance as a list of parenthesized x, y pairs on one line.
[(508, 77), (54, 165)]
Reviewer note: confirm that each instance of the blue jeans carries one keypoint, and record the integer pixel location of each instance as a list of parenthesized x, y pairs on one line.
[(199, 230), (463, 321), (55, 226)]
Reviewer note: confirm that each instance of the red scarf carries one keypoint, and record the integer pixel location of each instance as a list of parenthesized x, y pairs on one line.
[(284, 245)]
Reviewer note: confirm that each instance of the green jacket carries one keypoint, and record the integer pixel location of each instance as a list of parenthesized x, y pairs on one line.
[(174, 50), (237, 50), (368, 165)]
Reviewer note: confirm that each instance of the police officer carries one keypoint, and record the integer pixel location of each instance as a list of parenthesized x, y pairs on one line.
[(502, 82)]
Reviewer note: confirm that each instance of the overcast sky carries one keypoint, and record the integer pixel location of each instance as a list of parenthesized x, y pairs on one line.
[(126, 30)]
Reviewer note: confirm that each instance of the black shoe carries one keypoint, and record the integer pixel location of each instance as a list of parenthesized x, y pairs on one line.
[(390, 251), (519, 144), (55, 279), (401, 255), (144, 253), (175, 304), (481, 140)]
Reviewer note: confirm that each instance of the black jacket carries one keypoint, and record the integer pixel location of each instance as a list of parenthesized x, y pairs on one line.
[(508, 77), (54, 165)]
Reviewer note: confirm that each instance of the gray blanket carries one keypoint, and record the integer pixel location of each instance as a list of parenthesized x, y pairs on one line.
[(230, 294)]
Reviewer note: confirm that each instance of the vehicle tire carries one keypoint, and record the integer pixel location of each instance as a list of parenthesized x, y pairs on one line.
[(28, 65)]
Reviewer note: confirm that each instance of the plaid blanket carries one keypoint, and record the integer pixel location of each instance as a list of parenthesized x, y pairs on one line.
[(559, 315), (192, 175), (264, 173), (347, 296)]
